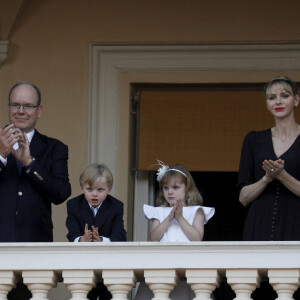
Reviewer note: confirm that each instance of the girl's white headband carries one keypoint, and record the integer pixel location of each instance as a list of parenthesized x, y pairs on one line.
[(162, 171)]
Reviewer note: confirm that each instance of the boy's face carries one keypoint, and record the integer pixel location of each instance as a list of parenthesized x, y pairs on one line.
[(97, 193)]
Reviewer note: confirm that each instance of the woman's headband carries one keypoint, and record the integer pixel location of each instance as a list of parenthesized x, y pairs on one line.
[(162, 171)]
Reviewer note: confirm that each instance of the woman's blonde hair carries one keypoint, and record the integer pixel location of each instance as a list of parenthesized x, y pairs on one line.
[(192, 195), (287, 83), (94, 172)]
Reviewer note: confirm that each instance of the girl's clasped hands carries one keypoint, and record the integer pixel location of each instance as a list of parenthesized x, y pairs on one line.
[(176, 212)]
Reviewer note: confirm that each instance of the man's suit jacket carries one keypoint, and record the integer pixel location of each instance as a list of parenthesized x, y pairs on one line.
[(109, 218), (25, 199)]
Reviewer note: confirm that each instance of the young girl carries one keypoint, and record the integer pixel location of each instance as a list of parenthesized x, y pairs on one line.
[(178, 218)]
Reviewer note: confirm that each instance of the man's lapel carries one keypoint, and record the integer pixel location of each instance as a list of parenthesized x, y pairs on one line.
[(37, 145)]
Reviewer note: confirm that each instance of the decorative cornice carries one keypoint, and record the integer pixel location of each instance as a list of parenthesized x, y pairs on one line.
[(3, 51)]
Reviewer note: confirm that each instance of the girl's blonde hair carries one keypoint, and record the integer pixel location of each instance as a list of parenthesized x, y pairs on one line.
[(192, 195)]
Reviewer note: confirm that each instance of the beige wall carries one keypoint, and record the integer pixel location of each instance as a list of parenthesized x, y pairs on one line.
[(50, 47)]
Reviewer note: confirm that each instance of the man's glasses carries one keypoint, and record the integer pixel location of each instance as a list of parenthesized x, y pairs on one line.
[(26, 107)]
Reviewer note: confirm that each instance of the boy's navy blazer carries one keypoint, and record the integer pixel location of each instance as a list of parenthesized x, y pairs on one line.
[(109, 218)]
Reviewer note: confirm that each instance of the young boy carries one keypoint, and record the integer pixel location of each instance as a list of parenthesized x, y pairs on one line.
[(95, 215)]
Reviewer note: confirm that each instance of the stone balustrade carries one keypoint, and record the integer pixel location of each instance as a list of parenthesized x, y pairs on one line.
[(161, 265)]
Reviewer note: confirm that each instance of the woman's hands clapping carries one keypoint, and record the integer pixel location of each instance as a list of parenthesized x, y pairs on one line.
[(273, 168)]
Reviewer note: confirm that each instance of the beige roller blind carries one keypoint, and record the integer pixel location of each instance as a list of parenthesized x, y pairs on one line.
[(203, 130)]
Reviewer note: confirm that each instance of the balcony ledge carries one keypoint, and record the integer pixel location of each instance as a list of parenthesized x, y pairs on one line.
[(149, 255)]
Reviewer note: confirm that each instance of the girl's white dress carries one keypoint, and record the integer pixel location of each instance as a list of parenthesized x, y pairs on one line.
[(174, 233)]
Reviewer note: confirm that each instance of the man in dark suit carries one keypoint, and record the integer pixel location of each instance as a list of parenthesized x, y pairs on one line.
[(33, 171), (96, 216)]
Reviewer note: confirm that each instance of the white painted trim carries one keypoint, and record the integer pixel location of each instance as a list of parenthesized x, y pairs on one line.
[(149, 255), (143, 194), (109, 61)]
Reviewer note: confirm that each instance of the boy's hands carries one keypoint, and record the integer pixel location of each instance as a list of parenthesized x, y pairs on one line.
[(96, 237), (90, 235)]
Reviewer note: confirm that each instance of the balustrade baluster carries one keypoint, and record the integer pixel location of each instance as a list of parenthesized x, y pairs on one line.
[(79, 282), (119, 282), (39, 283), (7, 282), (202, 282), (284, 282), (243, 282), (161, 282)]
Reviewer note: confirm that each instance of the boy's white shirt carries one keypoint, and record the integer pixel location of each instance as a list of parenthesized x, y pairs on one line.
[(94, 210)]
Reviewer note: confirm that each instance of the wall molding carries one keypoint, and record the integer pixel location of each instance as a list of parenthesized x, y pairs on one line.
[(3, 51), (107, 62)]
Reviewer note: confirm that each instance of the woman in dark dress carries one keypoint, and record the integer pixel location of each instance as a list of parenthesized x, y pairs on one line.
[(269, 174)]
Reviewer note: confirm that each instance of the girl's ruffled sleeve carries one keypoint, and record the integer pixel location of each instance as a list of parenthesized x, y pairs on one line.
[(151, 212), (208, 212)]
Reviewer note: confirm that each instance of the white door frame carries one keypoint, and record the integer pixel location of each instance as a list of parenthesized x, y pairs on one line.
[(108, 62)]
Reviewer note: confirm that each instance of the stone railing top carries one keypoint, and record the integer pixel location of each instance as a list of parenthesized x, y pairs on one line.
[(149, 255)]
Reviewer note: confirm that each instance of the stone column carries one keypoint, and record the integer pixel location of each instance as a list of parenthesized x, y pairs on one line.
[(7, 282), (39, 283), (161, 282), (243, 282), (119, 282), (284, 282), (203, 282), (79, 282)]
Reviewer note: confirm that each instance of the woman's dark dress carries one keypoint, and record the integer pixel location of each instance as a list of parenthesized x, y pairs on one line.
[(275, 214)]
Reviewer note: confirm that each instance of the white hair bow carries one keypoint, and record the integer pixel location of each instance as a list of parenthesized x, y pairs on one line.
[(163, 169)]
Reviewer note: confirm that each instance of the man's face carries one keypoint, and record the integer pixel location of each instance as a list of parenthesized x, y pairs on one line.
[(25, 116)]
